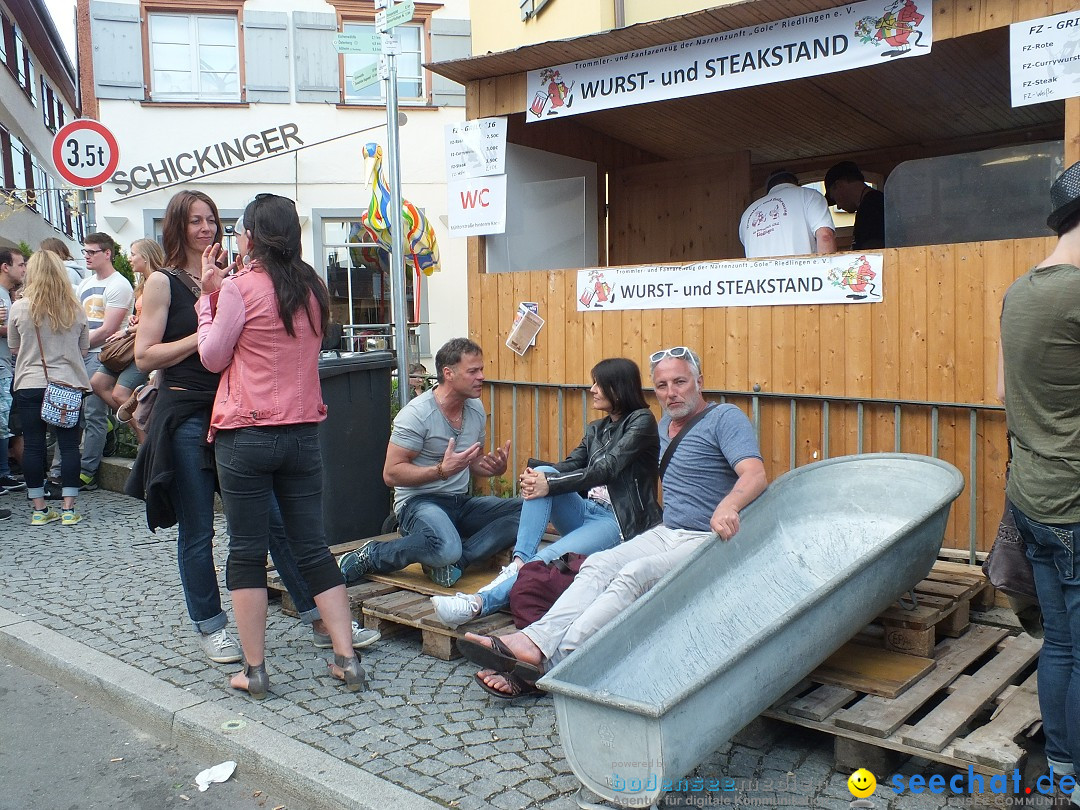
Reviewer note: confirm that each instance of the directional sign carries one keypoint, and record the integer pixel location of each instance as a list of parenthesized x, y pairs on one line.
[(392, 18), (358, 43), (85, 153), (365, 76)]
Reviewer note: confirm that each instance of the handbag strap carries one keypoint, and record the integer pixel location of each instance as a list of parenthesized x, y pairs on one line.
[(41, 349), (189, 284), (679, 437)]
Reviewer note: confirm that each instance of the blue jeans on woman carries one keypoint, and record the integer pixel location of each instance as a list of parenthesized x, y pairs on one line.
[(586, 527), (192, 494), (1052, 551), (28, 401), (256, 466)]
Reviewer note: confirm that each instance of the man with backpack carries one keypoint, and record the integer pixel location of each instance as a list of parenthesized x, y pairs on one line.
[(710, 469)]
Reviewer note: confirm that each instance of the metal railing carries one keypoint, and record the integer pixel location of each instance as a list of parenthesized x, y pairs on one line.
[(570, 396)]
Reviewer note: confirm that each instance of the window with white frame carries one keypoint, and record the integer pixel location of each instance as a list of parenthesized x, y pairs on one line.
[(411, 88), (194, 57)]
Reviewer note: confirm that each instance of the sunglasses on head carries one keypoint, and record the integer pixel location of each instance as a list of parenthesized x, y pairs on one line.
[(677, 352)]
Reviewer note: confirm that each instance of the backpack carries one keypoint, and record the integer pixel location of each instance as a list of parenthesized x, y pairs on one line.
[(539, 584)]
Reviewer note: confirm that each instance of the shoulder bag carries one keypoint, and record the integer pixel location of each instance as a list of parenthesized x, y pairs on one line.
[(62, 404), (539, 584), (116, 355)]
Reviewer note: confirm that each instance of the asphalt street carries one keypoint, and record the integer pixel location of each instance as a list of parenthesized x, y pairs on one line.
[(57, 752)]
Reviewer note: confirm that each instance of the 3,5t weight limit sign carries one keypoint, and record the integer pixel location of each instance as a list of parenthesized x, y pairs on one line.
[(85, 153)]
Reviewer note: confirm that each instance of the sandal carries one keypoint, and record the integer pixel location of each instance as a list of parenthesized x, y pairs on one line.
[(258, 680), (499, 658), (518, 687), (351, 672)]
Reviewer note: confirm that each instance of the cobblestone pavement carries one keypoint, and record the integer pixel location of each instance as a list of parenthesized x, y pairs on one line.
[(112, 585)]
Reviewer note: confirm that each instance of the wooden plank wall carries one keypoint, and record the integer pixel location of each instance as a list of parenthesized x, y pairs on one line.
[(934, 338)]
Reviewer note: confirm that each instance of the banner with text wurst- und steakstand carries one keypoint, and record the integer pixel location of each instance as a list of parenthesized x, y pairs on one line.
[(846, 278), (830, 41)]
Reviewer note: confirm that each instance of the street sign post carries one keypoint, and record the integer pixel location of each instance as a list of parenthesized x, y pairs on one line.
[(394, 16), (365, 76), (357, 43), (85, 153)]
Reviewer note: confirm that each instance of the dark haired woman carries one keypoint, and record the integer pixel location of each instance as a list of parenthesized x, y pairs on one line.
[(262, 329), (616, 463)]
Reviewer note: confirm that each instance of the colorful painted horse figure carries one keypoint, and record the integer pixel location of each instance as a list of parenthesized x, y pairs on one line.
[(421, 247)]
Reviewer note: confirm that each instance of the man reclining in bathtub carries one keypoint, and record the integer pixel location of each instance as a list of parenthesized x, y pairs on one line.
[(714, 472)]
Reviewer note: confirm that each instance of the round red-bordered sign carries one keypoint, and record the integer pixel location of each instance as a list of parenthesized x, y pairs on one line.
[(85, 153)]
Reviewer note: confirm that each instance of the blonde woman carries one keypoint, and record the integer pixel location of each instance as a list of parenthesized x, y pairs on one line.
[(48, 328), (116, 388)]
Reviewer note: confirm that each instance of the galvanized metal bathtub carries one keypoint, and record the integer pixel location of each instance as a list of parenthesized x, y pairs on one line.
[(820, 554)]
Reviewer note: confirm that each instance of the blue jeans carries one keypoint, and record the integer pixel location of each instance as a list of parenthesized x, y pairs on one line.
[(443, 530), (28, 401), (192, 495), (257, 465), (5, 410), (586, 527), (1052, 551)]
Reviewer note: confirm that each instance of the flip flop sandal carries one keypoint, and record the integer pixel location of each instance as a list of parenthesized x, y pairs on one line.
[(499, 658), (518, 687)]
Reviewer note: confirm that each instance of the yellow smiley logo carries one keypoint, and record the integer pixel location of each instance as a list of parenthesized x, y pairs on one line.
[(862, 783)]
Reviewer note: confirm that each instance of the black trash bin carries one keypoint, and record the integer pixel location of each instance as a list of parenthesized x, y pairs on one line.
[(356, 390)]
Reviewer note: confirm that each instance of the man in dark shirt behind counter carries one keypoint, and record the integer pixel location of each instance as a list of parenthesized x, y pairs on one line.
[(846, 187)]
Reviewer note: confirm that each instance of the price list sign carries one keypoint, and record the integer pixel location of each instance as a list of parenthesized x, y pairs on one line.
[(1044, 57), (85, 153)]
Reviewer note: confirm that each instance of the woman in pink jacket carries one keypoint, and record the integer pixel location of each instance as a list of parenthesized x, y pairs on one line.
[(262, 329)]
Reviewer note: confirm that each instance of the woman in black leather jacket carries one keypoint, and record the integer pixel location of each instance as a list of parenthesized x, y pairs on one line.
[(615, 464)]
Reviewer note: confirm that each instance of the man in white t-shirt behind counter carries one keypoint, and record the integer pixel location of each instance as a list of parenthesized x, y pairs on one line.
[(107, 298), (788, 221)]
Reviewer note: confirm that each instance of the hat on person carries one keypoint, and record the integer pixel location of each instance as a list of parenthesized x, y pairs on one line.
[(844, 170), (781, 176), (1064, 197)]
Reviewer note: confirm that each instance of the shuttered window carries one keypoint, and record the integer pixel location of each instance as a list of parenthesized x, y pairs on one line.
[(194, 57), (410, 73)]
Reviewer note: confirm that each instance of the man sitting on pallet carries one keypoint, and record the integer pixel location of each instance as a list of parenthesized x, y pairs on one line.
[(444, 528), (711, 468)]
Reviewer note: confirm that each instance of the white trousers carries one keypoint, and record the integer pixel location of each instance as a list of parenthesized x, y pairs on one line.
[(608, 582)]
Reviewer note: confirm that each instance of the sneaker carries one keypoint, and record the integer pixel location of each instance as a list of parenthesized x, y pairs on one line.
[(43, 518), (11, 484), (219, 647), (356, 564), (508, 572), (445, 575), (5, 514), (89, 482), (361, 637), (70, 517), (457, 609)]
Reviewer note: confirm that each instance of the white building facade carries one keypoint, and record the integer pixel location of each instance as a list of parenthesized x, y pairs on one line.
[(237, 98), (37, 97)]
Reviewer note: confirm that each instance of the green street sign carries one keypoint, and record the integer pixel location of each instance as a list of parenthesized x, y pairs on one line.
[(365, 76), (357, 43), (392, 18)]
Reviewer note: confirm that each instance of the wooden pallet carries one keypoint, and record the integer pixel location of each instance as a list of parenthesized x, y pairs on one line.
[(390, 613), (944, 601), (948, 716)]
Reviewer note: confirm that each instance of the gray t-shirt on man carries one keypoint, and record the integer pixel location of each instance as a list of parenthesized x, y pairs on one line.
[(420, 427), (702, 469), (6, 368)]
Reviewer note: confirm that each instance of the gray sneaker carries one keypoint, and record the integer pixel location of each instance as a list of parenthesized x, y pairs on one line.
[(445, 575), (356, 564), (220, 648), (361, 637)]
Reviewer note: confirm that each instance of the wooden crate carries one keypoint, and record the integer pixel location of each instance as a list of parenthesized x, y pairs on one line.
[(969, 710), (388, 614)]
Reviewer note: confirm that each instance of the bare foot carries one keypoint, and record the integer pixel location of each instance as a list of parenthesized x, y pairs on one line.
[(239, 681), (496, 680), (519, 644)]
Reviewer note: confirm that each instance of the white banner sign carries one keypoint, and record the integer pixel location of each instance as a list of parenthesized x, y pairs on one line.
[(1044, 59), (475, 148), (852, 278), (843, 38), (477, 205)]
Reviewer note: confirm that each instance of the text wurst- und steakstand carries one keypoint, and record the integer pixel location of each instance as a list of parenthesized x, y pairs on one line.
[(669, 167)]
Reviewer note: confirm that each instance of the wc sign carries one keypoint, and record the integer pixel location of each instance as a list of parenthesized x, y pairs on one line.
[(477, 205)]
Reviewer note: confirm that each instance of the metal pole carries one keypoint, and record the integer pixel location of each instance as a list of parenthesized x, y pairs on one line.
[(394, 220)]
